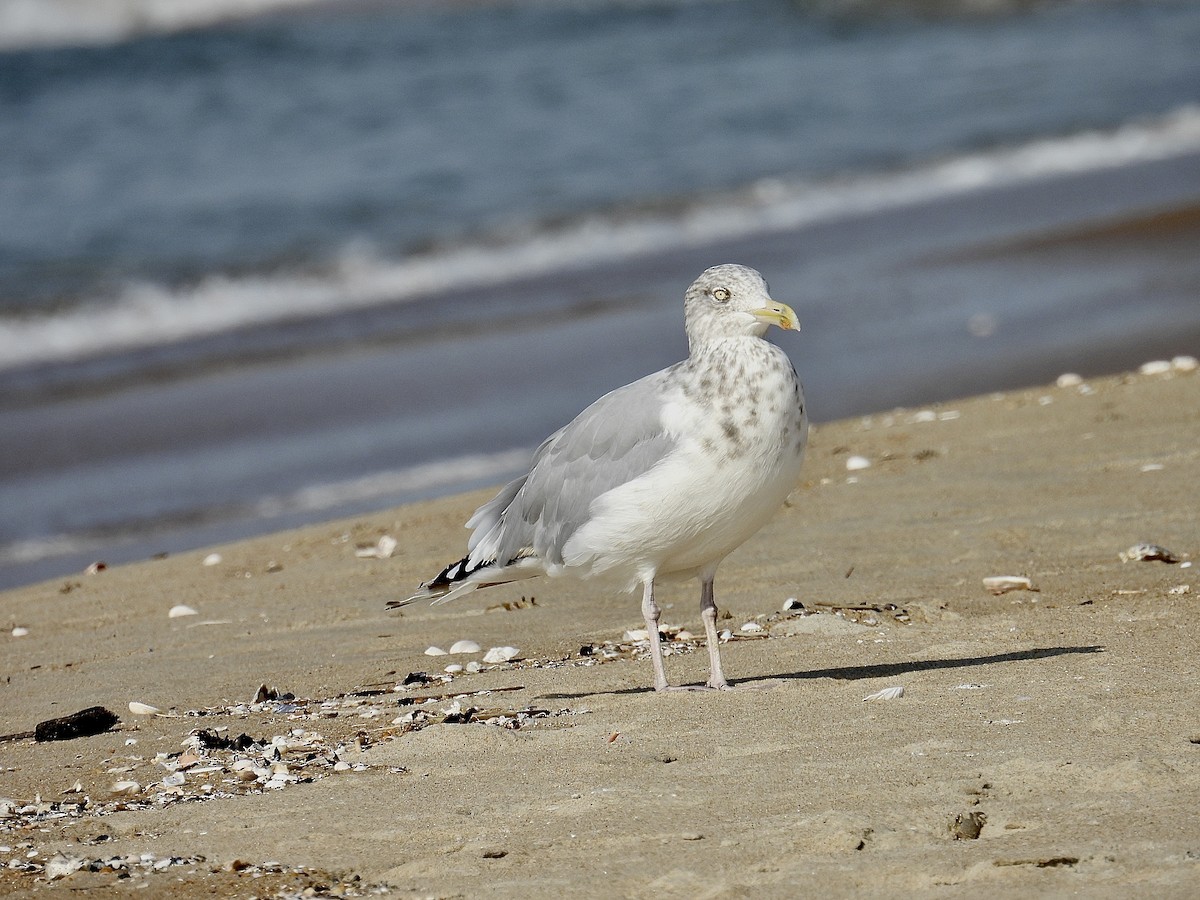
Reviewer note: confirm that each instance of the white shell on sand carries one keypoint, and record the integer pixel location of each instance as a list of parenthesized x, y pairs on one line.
[(213, 559), (855, 463), (381, 549), (1185, 363), (20, 631), (464, 647), (501, 654), (752, 628), (125, 788), (888, 693), (143, 709), (179, 611), (435, 651), (453, 669), (636, 634), (1069, 379)]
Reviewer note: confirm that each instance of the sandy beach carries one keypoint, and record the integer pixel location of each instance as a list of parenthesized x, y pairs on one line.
[(1046, 742)]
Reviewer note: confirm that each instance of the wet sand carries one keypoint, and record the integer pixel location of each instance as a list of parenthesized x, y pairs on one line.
[(1047, 741)]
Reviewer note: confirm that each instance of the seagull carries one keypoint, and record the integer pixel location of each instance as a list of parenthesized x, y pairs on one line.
[(662, 478)]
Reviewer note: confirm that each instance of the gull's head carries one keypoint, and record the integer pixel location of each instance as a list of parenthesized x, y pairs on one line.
[(730, 300)]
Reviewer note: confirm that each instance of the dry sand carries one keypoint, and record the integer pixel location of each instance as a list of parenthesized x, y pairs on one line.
[(1066, 721)]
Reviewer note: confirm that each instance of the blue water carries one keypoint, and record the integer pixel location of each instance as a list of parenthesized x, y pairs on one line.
[(280, 144), (279, 267)]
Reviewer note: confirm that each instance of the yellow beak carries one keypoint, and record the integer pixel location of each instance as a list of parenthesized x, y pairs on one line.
[(778, 314)]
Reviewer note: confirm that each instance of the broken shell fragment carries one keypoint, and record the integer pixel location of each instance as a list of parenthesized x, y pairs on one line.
[(125, 788), (1002, 584), (501, 654), (888, 693), (1146, 552), (179, 611), (381, 549), (143, 709), (464, 647)]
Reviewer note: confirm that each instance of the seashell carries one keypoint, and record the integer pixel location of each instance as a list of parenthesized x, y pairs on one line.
[(752, 628), (1146, 552), (453, 669), (1185, 363), (213, 559), (175, 779), (341, 766), (725, 635), (96, 568), (1180, 589), (474, 667), (435, 651), (501, 654), (1155, 367), (636, 634), (684, 635), (464, 647), (791, 603), (143, 709), (888, 693), (1002, 584), (855, 463), (381, 549), (60, 866), (125, 788), (177, 612), (20, 631), (1069, 379)]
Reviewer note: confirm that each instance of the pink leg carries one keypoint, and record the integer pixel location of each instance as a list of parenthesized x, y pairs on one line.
[(652, 614), (708, 612)]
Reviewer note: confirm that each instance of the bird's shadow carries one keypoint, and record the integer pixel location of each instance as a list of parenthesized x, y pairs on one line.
[(879, 670)]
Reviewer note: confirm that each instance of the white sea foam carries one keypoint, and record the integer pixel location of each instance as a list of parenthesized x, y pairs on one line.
[(148, 315), (40, 23)]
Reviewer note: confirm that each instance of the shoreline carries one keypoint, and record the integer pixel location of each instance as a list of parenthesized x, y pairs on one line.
[(1037, 749), (1092, 273)]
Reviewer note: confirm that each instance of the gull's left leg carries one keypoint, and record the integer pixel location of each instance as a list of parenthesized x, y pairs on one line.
[(708, 612), (652, 614)]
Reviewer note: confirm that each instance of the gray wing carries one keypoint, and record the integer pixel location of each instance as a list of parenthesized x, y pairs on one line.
[(612, 442)]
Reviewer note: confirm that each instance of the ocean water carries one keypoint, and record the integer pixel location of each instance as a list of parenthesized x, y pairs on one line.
[(202, 209)]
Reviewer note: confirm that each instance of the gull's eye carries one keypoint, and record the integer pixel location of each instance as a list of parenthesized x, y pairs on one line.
[(720, 294)]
